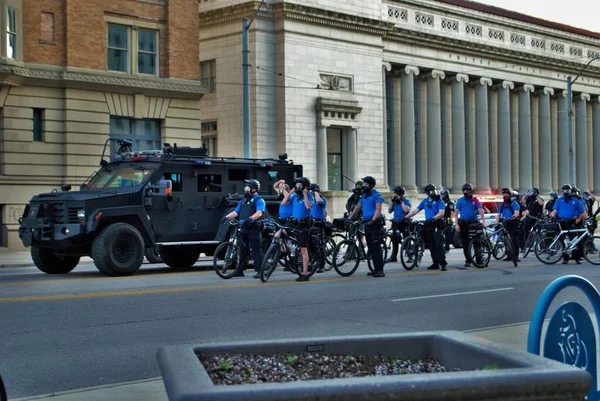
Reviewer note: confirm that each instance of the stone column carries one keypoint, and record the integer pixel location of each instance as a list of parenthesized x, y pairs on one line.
[(581, 144), (351, 154), (563, 140), (504, 138), (434, 127), (493, 146), (545, 146), (525, 140), (386, 67), (459, 170), (396, 143), (407, 158), (322, 173), (482, 153), (596, 142)]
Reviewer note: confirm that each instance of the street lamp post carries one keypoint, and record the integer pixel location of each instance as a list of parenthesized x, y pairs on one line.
[(570, 83)]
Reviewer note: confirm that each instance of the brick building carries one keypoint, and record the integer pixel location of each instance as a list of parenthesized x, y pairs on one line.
[(74, 73)]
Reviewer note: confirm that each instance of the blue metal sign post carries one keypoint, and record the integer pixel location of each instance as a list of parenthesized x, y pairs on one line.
[(570, 335)]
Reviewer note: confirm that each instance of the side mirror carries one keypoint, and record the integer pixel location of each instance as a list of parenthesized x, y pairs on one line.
[(65, 187)]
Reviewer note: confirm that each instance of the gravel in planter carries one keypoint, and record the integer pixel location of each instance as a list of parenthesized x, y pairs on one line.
[(250, 368)]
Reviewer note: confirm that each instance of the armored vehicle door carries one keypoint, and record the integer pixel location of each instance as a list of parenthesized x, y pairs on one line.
[(169, 214), (208, 201)]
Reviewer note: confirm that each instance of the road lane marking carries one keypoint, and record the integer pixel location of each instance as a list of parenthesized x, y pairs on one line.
[(452, 294)]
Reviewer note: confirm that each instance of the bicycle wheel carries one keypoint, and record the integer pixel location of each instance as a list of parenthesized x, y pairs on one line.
[(549, 251), (510, 250), (384, 253), (409, 250), (225, 260), (330, 245), (270, 261), (530, 243), (345, 258), (499, 250), (479, 252), (590, 250)]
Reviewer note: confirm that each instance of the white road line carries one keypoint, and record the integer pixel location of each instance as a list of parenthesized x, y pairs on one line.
[(452, 295)]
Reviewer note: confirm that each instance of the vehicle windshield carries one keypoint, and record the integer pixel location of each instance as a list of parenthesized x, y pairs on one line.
[(119, 177)]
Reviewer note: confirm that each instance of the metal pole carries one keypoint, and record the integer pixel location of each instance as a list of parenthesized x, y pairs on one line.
[(570, 131), (245, 90)]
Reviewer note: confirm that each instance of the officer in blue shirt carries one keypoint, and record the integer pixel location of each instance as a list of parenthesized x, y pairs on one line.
[(318, 214), (509, 211), (371, 203), (571, 210), (466, 213), (434, 215), (249, 210), (400, 206), (302, 202), (284, 191)]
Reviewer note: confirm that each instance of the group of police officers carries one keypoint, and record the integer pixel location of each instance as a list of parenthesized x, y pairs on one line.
[(304, 205)]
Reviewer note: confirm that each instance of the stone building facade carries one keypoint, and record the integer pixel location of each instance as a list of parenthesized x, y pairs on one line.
[(409, 91), (74, 73)]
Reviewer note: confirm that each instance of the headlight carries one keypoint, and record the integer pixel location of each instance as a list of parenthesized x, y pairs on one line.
[(81, 215)]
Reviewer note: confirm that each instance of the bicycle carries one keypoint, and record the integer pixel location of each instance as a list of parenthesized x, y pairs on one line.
[(283, 247), (332, 236), (550, 249), (316, 258), (495, 241), (413, 247), (534, 235), (228, 252), (501, 230), (353, 250), (479, 249)]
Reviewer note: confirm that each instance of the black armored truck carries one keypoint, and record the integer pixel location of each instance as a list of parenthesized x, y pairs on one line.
[(171, 200)]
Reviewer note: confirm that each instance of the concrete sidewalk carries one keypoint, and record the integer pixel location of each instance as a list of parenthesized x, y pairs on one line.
[(514, 336)]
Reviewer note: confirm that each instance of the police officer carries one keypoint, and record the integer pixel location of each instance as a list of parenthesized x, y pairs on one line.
[(569, 209), (509, 211), (448, 213), (318, 213), (249, 211), (434, 215), (550, 204), (400, 206), (535, 208), (589, 200), (284, 191), (370, 204), (302, 202), (354, 198), (468, 209)]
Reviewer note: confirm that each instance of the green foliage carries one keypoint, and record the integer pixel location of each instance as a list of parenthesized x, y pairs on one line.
[(225, 365), (490, 367), (292, 359)]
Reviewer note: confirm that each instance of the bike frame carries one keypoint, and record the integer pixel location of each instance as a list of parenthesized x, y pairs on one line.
[(573, 243)]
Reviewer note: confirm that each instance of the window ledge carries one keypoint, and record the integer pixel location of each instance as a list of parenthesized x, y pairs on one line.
[(48, 42)]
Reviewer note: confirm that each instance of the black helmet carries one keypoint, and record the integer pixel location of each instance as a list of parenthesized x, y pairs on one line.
[(554, 195), (315, 187), (445, 194), (507, 191), (252, 183), (369, 180), (567, 186), (303, 180), (586, 196), (467, 187), (515, 194), (399, 190), (575, 190), (358, 184), (533, 192), (430, 187)]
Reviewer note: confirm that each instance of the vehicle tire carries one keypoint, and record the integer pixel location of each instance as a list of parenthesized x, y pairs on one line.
[(345, 258), (225, 260), (479, 252), (456, 240), (270, 261), (118, 250), (3, 395), (409, 251), (180, 256), (47, 261), (152, 255), (591, 250), (549, 252)]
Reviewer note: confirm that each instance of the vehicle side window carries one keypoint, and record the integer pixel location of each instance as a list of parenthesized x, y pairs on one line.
[(209, 183), (177, 181)]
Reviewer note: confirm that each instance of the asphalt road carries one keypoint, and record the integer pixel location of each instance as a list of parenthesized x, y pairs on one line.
[(85, 329)]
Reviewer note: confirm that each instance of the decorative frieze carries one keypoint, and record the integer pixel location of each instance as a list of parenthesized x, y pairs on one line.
[(496, 34), (397, 13), (517, 39), (336, 82), (576, 51), (474, 30)]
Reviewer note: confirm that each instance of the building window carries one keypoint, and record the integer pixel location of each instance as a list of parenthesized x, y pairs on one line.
[(208, 73), (47, 28), (334, 159), (11, 33), (139, 59), (144, 134), (38, 125), (209, 137)]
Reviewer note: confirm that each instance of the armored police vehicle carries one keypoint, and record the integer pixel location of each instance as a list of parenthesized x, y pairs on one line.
[(172, 200)]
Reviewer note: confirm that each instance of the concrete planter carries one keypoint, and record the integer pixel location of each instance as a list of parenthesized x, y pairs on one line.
[(519, 375)]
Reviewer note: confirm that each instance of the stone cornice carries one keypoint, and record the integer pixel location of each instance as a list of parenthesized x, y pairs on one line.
[(337, 106), (99, 80)]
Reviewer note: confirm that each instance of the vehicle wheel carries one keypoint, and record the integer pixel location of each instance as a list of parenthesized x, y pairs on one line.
[(479, 252), (50, 263), (180, 256), (225, 260), (591, 251), (270, 261), (152, 255), (409, 251), (456, 240), (345, 258), (118, 250), (3, 396), (548, 251)]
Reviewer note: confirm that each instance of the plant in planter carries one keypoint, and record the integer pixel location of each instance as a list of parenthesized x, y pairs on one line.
[(464, 368)]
